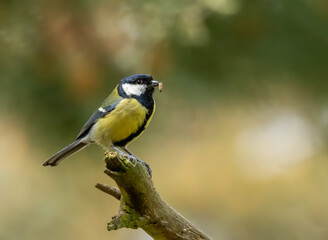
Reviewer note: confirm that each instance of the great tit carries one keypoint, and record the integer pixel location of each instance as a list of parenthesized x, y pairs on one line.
[(122, 117)]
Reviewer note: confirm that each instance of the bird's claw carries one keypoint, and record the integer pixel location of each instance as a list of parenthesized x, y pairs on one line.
[(146, 165)]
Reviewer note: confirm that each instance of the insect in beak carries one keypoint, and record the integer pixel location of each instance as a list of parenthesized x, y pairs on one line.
[(157, 83)]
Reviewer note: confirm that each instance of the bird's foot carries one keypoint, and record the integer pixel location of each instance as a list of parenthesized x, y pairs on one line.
[(144, 163), (120, 152), (147, 166), (131, 155)]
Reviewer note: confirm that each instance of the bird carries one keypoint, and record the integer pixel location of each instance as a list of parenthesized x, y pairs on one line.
[(121, 118)]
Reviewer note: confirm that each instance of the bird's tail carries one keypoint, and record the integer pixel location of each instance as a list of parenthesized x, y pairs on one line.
[(55, 159)]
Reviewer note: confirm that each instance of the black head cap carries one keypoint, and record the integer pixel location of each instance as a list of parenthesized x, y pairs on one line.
[(145, 78)]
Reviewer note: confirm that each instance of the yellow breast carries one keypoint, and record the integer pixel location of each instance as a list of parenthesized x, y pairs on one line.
[(128, 116)]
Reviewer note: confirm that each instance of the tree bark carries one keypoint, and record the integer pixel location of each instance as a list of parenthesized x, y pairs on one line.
[(141, 205)]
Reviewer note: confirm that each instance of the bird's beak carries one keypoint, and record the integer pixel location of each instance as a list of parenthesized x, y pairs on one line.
[(155, 83)]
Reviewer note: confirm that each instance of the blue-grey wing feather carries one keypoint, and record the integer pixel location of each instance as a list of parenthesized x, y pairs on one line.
[(94, 117)]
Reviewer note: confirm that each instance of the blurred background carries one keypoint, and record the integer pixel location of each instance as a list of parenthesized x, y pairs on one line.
[(238, 144)]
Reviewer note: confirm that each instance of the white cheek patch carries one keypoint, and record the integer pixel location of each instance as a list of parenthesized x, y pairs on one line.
[(134, 89)]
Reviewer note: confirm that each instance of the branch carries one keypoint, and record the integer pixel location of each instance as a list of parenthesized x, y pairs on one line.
[(115, 192), (141, 205)]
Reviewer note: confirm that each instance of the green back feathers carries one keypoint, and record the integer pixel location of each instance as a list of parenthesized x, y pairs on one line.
[(112, 98)]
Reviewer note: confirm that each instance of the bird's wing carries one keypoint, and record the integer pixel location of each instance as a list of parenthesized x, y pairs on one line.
[(112, 98), (101, 112)]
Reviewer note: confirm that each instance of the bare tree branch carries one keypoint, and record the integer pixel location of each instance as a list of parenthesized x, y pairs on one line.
[(113, 191), (141, 205)]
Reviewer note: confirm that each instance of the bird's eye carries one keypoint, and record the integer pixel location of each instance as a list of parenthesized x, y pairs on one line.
[(138, 81)]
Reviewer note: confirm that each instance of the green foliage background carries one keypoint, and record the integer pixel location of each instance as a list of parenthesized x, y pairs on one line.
[(239, 140)]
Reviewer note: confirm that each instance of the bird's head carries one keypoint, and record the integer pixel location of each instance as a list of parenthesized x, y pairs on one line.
[(137, 85)]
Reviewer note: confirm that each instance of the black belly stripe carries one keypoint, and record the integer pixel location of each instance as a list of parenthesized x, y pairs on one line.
[(125, 141)]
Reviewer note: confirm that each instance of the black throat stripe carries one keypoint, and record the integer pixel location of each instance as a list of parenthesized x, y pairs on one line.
[(145, 100), (125, 141)]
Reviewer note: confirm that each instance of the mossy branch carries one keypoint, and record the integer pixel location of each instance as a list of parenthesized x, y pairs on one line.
[(141, 205)]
